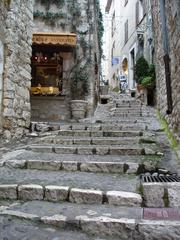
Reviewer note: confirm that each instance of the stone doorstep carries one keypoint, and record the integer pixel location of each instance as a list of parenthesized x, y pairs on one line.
[(103, 225), (65, 193), (161, 194), (95, 167)]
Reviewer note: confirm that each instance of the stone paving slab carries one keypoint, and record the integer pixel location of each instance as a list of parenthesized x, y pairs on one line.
[(103, 181)]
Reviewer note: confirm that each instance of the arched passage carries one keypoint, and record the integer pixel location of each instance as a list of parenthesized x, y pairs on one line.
[(125, 66)]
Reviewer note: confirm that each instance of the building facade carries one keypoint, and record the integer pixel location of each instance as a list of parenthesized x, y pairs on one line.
[(65, 57), (166, 27), (131, 38)]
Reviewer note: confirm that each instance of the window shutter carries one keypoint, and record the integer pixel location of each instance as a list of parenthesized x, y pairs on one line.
[(137, 13), (126, 31)]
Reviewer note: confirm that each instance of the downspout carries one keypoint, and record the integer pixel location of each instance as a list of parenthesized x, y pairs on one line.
[(166, 56)]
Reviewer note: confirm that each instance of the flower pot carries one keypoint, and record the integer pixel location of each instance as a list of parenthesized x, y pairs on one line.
[(78, 109), (140, 88), (104, 90)]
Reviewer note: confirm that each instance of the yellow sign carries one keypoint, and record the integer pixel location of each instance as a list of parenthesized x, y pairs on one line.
[(55, 38)]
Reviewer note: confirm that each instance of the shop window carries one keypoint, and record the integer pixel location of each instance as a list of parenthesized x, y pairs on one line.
[(47, 73)]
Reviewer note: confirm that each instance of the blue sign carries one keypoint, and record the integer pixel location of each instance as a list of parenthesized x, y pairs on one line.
[(115, 61)]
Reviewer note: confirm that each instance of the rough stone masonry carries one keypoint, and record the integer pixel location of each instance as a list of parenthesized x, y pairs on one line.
[(16, 18)]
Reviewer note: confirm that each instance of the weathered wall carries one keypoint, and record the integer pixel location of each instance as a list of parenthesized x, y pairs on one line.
[(16, 34), (173, 20), (78, 17)]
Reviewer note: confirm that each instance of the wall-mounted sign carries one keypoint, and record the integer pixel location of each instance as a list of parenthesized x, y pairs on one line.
[(115, 61), (68, 39)]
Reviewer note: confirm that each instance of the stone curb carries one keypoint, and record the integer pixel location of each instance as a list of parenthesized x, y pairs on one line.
[(64, 193), (122, 227), (95, 167), (165, 194)]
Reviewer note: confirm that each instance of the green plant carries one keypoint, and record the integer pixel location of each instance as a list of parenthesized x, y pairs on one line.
[(141, 69), (169, 134), (148, 81)]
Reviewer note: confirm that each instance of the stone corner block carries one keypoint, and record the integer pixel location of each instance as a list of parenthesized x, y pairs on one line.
[(173, 190), (30, 192), (121, 198), (8, 191), (56, 220), (69, 166), (56, 193), (15, 163), (85, 196), (153, 194)]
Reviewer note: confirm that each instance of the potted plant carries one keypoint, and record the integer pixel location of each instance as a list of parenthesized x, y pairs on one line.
[(79, 88), (140, 72)]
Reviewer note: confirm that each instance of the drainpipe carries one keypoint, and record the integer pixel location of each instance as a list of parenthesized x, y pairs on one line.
[(166, 56)]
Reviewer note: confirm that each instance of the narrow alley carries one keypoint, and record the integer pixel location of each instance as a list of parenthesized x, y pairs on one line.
[(89, 120), (87, 176)]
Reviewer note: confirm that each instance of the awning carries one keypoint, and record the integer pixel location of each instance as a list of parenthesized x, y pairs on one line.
[(65, 39)]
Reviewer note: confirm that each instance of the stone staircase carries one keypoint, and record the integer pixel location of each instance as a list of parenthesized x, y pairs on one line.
[(85, 176)]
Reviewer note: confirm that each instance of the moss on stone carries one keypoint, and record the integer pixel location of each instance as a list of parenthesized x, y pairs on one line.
[(168, 132)]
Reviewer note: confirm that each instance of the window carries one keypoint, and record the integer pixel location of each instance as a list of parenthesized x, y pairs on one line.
[(113, 24), (137, 13), (125, 3), (112, 52), (140, 10), (126, 32)]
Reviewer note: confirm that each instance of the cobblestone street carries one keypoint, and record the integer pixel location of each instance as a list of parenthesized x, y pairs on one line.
[(84, 178)]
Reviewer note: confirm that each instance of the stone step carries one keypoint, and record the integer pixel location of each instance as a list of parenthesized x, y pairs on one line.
[(87, 166), (127, 110), (15, 229), (83, 180), (87, 133), (90, 141), (56, 193), (130, 114), (90, 150), (100, 221)]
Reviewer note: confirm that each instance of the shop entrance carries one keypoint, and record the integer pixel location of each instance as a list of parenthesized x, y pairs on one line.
[(52, 60)]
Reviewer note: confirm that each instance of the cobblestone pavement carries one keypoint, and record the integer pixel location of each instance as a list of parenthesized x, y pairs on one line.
[(84, 178)]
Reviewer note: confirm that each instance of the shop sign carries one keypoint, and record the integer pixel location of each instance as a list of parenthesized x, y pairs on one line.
[(60, 39)]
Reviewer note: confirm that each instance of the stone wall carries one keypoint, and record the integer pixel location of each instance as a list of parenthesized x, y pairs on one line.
[(78, 17), (15, 35), (173, 29)]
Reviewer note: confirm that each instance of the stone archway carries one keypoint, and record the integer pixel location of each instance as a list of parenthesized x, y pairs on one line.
[(1, 78)]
